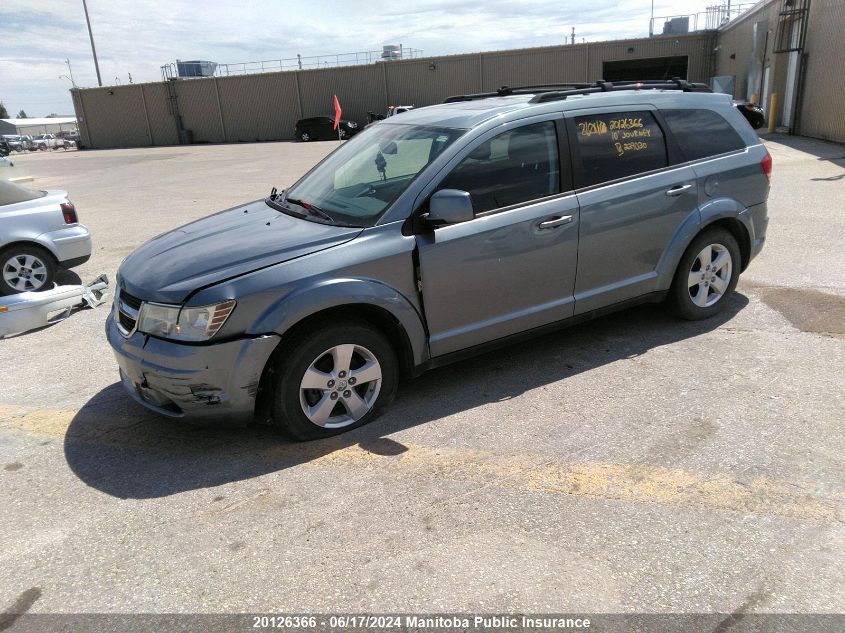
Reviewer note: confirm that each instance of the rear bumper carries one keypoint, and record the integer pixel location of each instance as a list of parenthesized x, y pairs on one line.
[(216, 382), (759, 217), (71, 245)]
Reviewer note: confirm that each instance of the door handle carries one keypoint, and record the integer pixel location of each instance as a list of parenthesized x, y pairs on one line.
[(677, 190), (555, 221)]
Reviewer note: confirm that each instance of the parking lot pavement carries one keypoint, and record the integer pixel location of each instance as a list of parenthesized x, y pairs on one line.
[(635, 463)]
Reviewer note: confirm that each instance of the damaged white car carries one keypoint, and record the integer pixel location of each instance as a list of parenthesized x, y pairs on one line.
[(39, 231)]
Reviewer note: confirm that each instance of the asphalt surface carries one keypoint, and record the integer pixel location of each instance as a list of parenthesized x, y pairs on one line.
[(635, 463)]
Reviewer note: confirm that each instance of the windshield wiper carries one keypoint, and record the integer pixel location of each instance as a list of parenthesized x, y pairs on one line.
[(276, 198), (310, 207)]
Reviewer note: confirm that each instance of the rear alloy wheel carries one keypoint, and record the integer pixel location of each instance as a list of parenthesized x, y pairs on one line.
[(305, 137), (26, 268), (707, 273), (335, 379)]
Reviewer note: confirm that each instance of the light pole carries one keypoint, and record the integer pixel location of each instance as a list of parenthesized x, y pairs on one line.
[(91, 37), (651, 21), (70, 72)]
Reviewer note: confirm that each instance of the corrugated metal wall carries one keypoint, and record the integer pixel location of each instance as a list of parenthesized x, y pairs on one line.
[(264, 117), (428, 81), (359, 89), (735, 44), (822, 113), (163, 129), (266, 106)]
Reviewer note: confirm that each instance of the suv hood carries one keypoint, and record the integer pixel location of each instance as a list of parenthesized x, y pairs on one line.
[(228, 244)]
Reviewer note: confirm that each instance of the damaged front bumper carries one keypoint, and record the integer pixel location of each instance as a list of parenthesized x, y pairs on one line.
[(214, 382)]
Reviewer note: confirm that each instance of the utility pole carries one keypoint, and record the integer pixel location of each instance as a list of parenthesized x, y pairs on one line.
[(91, 37)]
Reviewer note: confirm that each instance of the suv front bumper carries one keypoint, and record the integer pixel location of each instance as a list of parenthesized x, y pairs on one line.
[(214, 382)]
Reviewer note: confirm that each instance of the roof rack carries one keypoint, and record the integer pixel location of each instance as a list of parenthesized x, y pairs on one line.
[(556, 92)]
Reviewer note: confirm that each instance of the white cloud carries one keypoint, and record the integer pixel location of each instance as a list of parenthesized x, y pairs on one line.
[(138, 36)]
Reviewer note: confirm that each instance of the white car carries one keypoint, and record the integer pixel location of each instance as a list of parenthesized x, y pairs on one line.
[(39, 231), (5, 161)]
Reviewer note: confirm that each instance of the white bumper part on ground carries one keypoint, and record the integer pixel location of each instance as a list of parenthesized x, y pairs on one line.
[(31, 310)]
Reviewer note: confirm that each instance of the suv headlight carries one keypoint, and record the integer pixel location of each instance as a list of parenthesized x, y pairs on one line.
[(183, 324)]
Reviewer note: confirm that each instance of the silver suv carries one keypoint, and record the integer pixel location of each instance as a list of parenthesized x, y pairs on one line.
[(438, 234)]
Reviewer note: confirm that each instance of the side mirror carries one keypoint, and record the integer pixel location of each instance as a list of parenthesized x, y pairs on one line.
[(449, 206)]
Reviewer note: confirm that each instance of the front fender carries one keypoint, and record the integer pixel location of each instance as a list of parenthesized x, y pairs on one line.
[(304, 302)]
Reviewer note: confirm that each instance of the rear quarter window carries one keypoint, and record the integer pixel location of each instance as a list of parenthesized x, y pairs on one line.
[(702, 133)]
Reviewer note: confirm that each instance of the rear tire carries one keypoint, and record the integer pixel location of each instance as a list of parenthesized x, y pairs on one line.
[(26, 268), (706, 275), (332, 379), (305, 137)]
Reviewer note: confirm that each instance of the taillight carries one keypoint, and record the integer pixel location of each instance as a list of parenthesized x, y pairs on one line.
[(766, 164), (69, 212)]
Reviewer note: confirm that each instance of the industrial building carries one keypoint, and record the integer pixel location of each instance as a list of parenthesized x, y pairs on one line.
[(46, 125), (786, 54), (789, 56)]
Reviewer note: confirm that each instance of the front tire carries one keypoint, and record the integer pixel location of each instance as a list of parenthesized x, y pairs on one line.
[(707, 274), (333, 379), (26, 268)]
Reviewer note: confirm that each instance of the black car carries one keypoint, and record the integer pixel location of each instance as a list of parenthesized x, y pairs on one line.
[(321, 128), (752, 112)]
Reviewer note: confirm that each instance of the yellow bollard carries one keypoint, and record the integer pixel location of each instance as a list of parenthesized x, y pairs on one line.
[(773, 104)]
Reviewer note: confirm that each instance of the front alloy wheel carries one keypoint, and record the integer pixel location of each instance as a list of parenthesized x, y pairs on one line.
[(330, 378), (341, 386)]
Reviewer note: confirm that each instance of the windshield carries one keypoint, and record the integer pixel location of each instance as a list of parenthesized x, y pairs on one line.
[(359, 181)]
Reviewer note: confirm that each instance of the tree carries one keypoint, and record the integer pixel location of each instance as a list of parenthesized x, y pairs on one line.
[(21, 114), (4, 114)]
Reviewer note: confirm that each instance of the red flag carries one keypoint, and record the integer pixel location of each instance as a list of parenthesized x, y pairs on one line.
[(337, 112)]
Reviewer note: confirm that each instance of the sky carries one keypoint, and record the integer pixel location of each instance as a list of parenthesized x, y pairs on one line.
[(138, 36)]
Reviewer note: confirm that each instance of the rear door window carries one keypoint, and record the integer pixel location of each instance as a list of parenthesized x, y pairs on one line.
[(702, 133), (617, 145), (517, 166)]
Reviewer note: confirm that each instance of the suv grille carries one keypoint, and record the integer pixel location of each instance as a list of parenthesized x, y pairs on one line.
[(127, 312)]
